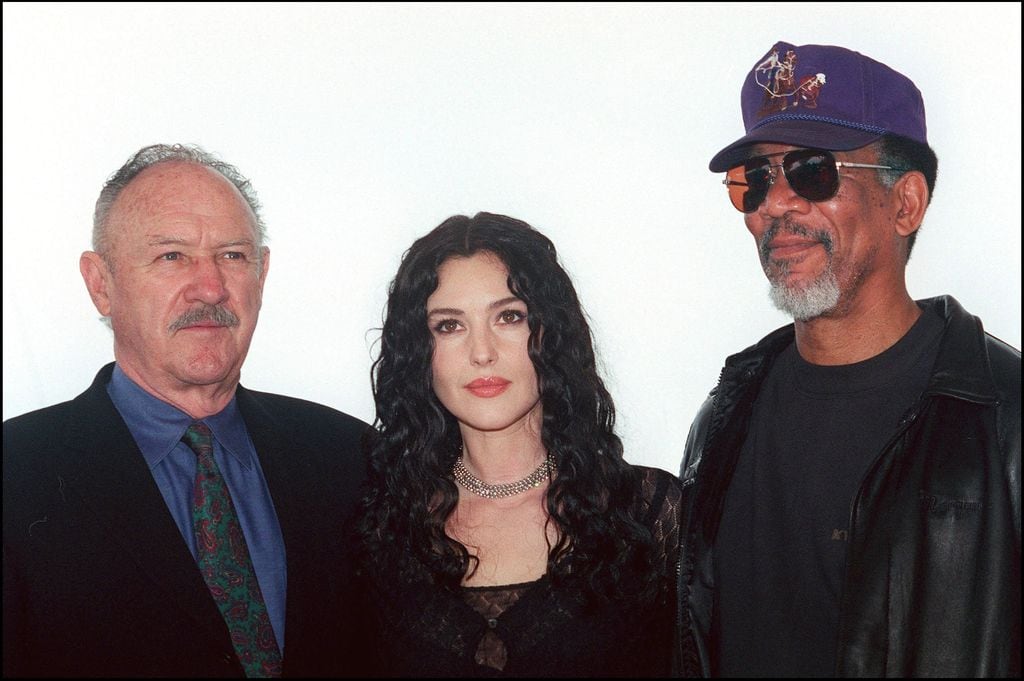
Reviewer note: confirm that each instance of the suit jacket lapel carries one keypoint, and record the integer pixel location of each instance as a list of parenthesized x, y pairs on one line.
[(293, 479), (105, 468)]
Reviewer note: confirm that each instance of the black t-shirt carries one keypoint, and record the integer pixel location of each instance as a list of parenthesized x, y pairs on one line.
[(781, 547)]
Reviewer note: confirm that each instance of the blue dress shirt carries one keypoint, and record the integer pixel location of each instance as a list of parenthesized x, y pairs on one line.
[(158, 428)]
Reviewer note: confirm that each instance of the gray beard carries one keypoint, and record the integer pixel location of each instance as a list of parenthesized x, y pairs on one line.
[(813, 300)]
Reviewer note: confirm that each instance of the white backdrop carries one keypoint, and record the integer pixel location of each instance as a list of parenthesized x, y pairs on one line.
[(364, 126)]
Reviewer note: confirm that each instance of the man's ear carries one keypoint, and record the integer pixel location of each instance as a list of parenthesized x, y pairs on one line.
[(97, 278), (911, 193)]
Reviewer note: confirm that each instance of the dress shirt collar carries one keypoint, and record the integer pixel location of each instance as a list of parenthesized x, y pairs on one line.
[(158, 426)]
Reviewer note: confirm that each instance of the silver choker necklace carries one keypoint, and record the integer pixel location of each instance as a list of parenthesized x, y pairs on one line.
[(488, 491)]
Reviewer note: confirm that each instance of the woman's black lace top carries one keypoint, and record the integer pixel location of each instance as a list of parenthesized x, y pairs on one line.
[(536, 628)]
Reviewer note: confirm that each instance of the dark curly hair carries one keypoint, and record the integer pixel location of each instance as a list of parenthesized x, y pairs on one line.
[(602, 550)]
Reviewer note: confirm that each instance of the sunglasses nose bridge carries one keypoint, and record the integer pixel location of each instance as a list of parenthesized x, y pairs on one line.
[(780, 194)]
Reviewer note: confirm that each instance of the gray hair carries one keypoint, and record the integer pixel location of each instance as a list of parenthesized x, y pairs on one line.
[(147, 157), (904, 155)]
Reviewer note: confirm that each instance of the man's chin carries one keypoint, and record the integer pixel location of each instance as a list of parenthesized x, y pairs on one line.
[(208, 370), (806, 302)]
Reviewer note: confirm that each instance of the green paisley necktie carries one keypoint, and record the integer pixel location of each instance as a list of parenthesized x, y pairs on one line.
[(223, 558)]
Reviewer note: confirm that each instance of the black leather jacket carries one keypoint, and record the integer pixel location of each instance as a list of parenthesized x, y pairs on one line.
[(933, 575)]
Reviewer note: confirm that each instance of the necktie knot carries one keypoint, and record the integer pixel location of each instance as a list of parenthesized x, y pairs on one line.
[(199, 438)]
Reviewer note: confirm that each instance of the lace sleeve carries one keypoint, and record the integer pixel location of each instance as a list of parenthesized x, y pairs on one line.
[(662, 494)]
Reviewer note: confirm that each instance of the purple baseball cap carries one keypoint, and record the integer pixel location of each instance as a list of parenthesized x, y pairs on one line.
[(824, 97)]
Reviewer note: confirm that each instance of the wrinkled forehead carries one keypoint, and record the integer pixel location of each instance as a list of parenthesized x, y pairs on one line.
[(177, 191)]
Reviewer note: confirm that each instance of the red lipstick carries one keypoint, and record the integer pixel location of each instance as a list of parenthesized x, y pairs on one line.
[(490, 386)]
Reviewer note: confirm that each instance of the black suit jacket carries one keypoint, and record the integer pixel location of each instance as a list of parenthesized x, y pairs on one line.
[(97, 580)]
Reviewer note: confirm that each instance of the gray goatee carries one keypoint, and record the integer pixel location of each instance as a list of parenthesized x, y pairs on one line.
[(800, 302)]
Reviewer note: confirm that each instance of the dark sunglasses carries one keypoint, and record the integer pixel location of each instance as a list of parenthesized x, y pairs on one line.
[(812, 173)]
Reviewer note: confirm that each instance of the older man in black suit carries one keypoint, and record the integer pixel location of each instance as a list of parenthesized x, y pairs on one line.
[(167, 521)]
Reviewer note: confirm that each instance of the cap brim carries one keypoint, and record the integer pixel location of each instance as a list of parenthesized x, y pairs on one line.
[(814, 134)]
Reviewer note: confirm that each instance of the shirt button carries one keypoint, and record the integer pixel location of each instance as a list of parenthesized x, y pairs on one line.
[(492, 623)]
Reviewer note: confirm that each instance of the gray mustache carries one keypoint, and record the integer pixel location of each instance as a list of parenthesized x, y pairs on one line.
[(214, 313)]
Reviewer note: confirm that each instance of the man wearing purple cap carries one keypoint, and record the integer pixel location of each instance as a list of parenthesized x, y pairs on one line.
[(853, 481)]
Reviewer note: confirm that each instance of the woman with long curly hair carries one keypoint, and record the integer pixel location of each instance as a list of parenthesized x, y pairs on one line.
[(502, 532)]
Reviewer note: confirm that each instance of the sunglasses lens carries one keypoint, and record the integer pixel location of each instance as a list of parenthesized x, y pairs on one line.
[(812, 174), (748, 184), (736, 181), (759, 176)]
